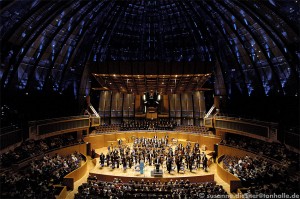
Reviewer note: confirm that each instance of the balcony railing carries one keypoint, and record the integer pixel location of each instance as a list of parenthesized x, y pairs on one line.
[(63, 124), (254, 127)]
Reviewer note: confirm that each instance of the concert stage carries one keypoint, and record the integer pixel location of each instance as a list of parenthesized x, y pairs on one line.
[(107, 174)]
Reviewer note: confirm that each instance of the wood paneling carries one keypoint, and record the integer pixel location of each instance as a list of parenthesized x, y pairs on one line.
[(183, 136), (229, 178), (161, 134), (74, 176), (226, 150), (194, 138), (209, 141), (63, 194), (137, 104), (110, 137), (97, 141), (80, 148), (194, 179), (165, 103)]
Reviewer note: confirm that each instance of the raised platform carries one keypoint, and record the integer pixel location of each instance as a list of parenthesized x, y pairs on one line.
[(155, 173), (107, 174)]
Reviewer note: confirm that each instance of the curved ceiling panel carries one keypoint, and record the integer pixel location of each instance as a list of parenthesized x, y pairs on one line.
[(252, 46)]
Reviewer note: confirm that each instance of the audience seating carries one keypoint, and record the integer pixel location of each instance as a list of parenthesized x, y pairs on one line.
[(32, 148), (254, 170), (37, 179), (287, 186), (145, 189), (275, 151), (108, 128), (160, 124), (192, 129)]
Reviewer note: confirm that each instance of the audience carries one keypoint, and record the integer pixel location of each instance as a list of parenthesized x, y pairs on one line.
[(275, 151), (193, 129), (287, 186), (105, 128), (37, 179), (161, 124), (146, 189), (254, 171), (32, 148)]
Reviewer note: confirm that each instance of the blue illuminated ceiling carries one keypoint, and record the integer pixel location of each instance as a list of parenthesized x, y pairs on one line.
[(252, 46)]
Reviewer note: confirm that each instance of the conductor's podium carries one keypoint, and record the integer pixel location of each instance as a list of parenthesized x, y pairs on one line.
[(155, 173)]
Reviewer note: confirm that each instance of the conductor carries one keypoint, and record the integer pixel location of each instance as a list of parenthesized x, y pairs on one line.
[(157, 164)]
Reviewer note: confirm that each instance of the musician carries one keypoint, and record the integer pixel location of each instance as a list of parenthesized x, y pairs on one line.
[(124, 163), (120, 142), (169, 163), (157, 163), (107, 158), (190, 163), (178, 163), (102, 158), (150, 157), (205, 163)]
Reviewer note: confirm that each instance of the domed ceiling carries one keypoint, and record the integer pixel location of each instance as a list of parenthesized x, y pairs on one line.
[(242, 47)]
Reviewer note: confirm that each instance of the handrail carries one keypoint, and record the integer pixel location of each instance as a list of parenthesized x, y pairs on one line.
[(63, 193), (210, 111), (12, 131), (94, 111), (163, 131), (11, 138), (37, 122), (238, 125), (264, 123), (9, 129)]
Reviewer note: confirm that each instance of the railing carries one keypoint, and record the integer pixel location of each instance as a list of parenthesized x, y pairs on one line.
[(94, 111), (292, 139), (258, 122), (253, 127), (208, 122), (75, 175), (61, 125), (242, 127), (210, 111), (233, 181), (95, 121), (10, 136), (37, 122)]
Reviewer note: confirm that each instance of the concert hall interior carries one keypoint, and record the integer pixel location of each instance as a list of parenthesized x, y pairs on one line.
[(149, 99)]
